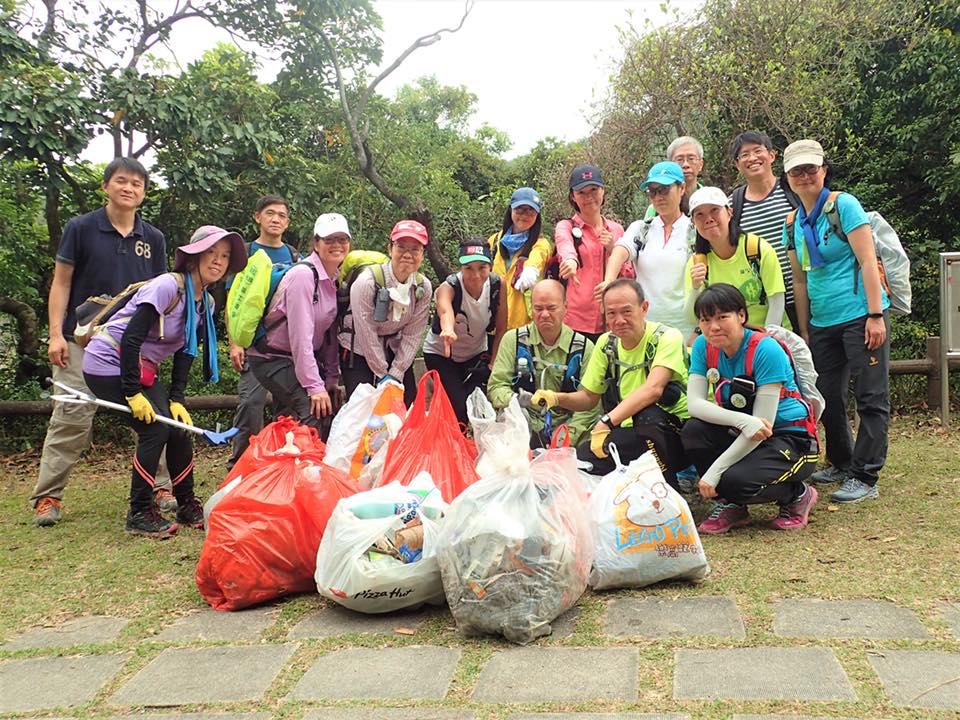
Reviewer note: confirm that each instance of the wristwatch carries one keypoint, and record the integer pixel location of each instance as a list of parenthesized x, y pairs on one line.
[(605, 419), (875, 316)]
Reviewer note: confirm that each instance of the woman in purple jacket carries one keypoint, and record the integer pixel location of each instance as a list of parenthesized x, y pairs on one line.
[(169, 315), (296, 360)]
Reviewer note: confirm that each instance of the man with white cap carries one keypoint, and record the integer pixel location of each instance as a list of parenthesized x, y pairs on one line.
[(296, 360)]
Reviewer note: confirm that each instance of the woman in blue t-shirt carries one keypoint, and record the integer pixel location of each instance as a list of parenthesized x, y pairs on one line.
[(757, 442), (842, 314)]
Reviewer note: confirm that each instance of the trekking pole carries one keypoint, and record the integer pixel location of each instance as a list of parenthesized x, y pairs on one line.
[(76, 397)]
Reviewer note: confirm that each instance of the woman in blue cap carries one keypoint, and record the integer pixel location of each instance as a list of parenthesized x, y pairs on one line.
[(659, 248), (520, 253), (169, 315), (471, 318)]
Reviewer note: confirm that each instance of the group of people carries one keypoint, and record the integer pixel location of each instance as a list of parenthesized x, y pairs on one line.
[(650, 338)]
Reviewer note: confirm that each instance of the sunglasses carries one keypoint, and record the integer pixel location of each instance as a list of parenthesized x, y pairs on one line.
[(661, 190), (803, 170)]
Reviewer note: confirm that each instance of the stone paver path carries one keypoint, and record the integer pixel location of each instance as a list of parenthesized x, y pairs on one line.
[(874, 619), (561, 674), (94, 630), (223, 626), (667, 617), (43, 683), (694, 646), (179, 676), (764, 673), (416, 672), (919, 678)]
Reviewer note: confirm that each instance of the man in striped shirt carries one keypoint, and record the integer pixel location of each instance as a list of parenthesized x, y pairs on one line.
[(761, 206)]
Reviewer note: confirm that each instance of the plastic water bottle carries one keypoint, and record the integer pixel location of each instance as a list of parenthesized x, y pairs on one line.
[(523, 367)]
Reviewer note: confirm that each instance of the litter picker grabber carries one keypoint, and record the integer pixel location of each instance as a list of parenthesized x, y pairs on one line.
[(70, 395)]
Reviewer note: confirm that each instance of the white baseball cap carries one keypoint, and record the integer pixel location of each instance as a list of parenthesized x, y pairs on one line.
[(330, 224), (708, 196)]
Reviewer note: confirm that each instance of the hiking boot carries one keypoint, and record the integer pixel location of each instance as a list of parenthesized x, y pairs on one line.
[(47, 512), (164, 500), (829, 474), (190, 513), (725, 516), (687, 480), (150, 523), (794, 516), (854, 490)]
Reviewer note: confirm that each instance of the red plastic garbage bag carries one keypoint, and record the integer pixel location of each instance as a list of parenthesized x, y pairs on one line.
[(269, 440), (263, 534), (432, 441)]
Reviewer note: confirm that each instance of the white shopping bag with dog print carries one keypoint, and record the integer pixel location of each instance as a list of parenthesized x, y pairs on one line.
[(643, 528)]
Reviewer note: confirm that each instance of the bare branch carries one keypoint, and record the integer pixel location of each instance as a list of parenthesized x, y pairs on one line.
[(420, 42)]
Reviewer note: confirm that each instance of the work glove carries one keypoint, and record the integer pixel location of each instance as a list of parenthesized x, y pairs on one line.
[(597, 436), (545, 399), (525, 399), (528, 278), (141, 408), (179, 413)]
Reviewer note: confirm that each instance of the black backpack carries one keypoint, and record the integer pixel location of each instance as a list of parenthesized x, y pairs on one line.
[(454, 282)]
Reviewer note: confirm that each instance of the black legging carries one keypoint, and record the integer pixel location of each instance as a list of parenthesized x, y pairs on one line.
[(355, 372), (459, 379), (151, 440)]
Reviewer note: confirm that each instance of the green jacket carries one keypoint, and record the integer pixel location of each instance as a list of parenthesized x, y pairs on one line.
[(500, 389)]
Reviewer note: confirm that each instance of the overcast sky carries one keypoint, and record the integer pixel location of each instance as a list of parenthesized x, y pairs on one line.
[(537, 67)]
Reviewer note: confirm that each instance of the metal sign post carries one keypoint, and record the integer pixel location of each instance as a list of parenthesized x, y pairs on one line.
[(949, 326)]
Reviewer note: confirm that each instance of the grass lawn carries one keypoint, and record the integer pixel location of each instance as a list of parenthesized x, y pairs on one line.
[(905, 548)]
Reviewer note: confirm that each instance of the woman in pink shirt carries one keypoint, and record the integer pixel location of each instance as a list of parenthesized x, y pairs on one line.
[(584, 243)]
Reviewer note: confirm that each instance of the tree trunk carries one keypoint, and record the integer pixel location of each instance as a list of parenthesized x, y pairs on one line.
[(30, 365)]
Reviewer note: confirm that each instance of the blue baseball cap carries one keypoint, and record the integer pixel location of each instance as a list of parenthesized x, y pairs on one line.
[(525, 196), (663, 173)]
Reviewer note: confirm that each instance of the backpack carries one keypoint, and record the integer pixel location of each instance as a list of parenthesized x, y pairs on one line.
[(613, 373), (892, 260), (752, 251), (804, 372), (250, 295), (642, 228), (739, 195), (454, 282), (352, 267), (525, 363), (95, 313)]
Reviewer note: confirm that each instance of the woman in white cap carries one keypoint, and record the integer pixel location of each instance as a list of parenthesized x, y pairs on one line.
[(659, 248), (471, 318), (169, 315), (842, 313), (520, 253), (725, 254), (389, 310), (296, 359)]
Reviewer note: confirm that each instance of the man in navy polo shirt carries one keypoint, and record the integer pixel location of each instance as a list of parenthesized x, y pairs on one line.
[(272, 215), (100, 253)]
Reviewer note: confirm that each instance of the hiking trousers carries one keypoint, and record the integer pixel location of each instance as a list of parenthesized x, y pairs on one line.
[(840, 354), (277, 375), (249, 416), (459, 379)]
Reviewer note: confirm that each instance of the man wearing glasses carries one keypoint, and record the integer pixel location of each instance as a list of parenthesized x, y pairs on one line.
[(100, 253), (272, 215), (763, 203), (296, 359), (687, 152)]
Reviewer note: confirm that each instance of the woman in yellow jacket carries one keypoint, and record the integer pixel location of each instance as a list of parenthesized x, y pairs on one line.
[(520, 253)]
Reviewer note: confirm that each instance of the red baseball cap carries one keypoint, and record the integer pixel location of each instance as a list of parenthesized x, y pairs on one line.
[(409, 229)]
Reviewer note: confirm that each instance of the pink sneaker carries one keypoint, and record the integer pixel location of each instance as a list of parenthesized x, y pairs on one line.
[(725, 516), (794, 516)]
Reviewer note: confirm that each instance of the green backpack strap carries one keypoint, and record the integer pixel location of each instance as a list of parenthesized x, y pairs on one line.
[(751, 248)]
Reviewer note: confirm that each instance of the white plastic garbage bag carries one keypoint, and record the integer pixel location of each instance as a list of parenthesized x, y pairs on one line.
[(371, 417), (644, 530), (369, 581)]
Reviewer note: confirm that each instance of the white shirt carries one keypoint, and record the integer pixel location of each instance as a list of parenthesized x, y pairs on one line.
[(470, 325), (660, 267)]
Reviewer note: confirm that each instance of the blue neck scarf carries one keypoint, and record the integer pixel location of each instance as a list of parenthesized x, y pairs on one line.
[(808, 223), (511, 242), (211, 370)]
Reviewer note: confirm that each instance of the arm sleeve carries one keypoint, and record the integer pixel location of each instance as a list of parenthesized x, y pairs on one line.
[(179, 375), (135, 333), (499, 387), (764, 406), (330, 357), (411, 336), (776, 304)]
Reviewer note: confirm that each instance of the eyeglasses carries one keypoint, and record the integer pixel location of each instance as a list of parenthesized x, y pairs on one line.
[(688, 159), (803, 170), (524, 210), (408, 250), (335, 240), (660, 190), (755, 153)]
